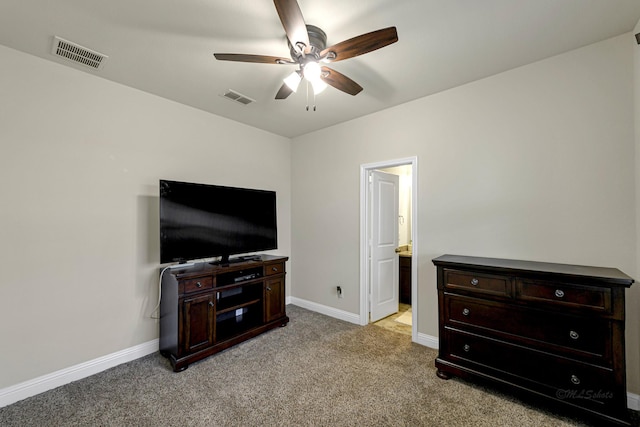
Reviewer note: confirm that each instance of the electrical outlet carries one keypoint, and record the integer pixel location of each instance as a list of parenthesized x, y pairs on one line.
[(339, 291)]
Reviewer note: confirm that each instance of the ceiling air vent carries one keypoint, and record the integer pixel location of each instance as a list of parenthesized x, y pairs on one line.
[(238, 97), (79, 54)]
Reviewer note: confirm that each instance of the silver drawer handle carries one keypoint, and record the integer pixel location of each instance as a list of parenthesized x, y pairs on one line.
[(574, 335), (210, 303), (474, 281), (467, 348), (274, 268), (575, 380), (199, 284), (559, 293), (466, 312)]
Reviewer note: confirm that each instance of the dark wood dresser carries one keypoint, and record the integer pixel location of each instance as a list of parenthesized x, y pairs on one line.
[(553, 330)]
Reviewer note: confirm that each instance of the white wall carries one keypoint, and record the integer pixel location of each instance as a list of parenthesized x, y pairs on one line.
[(80, 162), (535, 163)]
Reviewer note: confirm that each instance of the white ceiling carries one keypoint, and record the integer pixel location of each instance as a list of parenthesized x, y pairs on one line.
[(166, 47)]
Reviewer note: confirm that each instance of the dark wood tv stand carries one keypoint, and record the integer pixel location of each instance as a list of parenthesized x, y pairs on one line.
[(207, 307)]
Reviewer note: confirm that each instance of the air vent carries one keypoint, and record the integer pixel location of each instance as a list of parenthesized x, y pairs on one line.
[(76, 53), (238, 97)]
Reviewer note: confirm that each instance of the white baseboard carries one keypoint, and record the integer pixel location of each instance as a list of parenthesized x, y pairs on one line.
[(41, 384), (633, 401), (427, 341), (326, 310)]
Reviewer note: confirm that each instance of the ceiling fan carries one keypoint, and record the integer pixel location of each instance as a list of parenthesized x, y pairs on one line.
[(307, 44)]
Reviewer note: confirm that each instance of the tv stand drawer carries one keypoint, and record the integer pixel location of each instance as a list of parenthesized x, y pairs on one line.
[(271, 269), (198, 284)]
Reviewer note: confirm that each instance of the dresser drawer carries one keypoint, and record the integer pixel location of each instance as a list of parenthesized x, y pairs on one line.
[(272, 269), (575, 336), (197, 284), (590, 298), (477, 283), (556, 377)]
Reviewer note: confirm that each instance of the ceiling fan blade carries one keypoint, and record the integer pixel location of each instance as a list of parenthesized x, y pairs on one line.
[(261, 59), (362, 44), (284, 92), (340, 81), (293, 22)]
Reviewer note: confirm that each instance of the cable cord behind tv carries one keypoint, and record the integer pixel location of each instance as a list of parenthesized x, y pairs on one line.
[(157, 307)]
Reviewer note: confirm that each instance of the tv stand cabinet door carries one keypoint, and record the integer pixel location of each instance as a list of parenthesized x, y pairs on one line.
[(197, 327), (274, 299)]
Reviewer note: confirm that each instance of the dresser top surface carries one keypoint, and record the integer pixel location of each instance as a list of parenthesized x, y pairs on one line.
[(606, 274)]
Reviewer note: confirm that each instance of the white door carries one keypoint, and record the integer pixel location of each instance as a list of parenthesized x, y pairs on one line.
[(384, 241)]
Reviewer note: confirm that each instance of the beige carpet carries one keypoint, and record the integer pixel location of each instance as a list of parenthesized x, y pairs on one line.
[(317, 371)]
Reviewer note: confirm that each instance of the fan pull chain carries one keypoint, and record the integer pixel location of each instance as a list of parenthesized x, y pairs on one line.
[(314, 99)]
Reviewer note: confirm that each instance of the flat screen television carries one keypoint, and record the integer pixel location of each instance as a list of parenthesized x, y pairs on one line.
[(204, 221)]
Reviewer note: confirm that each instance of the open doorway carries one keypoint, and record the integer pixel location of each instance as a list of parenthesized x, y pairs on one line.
[(401, 321), (407, 244)]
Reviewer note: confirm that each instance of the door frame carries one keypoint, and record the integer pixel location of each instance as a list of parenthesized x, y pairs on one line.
[(364, 244)]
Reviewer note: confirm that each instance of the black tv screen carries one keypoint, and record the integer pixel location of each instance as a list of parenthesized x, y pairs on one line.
[(203, 221)]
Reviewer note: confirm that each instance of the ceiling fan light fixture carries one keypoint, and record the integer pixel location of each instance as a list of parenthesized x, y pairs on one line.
[(318, 86), (312, 71), (293, 80), (308, 48)]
